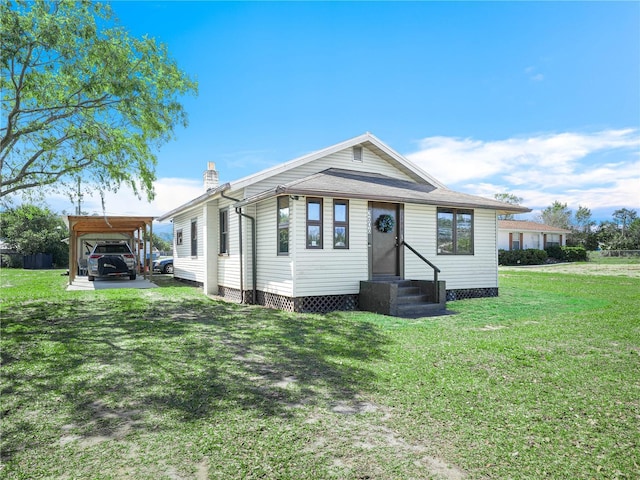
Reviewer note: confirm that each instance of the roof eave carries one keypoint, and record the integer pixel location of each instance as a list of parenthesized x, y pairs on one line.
[(284, 190), (515, 209), (208, 195)]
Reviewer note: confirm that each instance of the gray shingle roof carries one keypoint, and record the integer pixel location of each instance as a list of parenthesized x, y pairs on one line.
[(340, 183)]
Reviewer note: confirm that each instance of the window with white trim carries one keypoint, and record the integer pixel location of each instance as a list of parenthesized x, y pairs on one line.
[(194, 237), (341, 224), (283, 225), (224, 232), (455, 231), (314, 223)]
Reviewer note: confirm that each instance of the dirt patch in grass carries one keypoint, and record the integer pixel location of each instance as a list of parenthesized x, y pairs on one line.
[(364, 444)]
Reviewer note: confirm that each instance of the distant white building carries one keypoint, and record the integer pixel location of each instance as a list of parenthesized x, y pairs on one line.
[(523, 234)]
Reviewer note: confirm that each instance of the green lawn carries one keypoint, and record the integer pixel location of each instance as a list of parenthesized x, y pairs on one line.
[(542, 382)]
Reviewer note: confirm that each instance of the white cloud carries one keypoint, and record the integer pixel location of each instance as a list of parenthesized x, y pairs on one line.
[(170, 193), (576, 168), (534, 74)]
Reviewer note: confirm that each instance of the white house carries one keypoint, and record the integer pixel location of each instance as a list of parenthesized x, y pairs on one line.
[(302, 235), (523, 234)]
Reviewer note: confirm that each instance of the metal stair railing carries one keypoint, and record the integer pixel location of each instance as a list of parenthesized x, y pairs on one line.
[(436, 270)]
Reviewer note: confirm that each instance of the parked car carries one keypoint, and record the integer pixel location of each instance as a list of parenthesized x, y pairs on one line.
[(163, 265), (111, 259)]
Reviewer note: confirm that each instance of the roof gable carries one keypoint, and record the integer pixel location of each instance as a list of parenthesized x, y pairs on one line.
[(367, 140)]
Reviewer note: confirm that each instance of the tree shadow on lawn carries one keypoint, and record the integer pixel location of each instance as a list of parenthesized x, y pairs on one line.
[(100, 369)]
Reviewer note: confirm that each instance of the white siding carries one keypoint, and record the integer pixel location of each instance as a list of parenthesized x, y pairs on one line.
[(229, 265), (503, 239), (210, 242), (187, 266), (479, 270), (330, 271), (275, 272), (342, 159)]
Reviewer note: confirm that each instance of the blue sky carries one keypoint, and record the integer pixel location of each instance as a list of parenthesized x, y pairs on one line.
[(537, 99)]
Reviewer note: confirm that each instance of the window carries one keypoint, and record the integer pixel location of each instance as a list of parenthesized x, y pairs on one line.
[(455, 231), (179, 237), (314, 223), (283, 225), (515, 240), (341, 224), (552, 240), (224, 232), (357, 154), (194, 237)]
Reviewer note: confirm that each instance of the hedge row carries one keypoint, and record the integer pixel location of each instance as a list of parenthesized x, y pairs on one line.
[(567, 254), (530, 256), (533, 256)]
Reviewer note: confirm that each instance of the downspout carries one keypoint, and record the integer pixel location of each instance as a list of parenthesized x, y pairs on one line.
[(254, 254), (253, 249)]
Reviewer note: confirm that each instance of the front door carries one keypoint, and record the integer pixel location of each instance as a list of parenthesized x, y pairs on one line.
[(384, 228)]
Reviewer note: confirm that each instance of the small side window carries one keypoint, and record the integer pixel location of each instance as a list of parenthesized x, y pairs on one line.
[(194, 237), (314, 223), (357, 154), (341, 224), (283, 225), (179, 237), (224, 232)]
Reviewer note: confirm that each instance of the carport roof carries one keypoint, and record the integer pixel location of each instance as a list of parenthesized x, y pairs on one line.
[(80, 224)]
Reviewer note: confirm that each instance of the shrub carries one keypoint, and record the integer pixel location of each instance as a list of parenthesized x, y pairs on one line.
[(575, 254), (11, 261), (555, 251), (530, 256), (567, 254)]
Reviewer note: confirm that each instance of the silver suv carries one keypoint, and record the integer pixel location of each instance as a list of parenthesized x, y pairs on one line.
[(111, 259)]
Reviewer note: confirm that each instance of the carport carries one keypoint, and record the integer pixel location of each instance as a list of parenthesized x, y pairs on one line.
[(138, 228)]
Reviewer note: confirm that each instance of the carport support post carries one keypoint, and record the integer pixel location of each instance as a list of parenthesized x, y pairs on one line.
[(150, 248), (73, 257), (144, 250)]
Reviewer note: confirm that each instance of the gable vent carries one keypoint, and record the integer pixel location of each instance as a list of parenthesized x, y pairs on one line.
[(357, 154)]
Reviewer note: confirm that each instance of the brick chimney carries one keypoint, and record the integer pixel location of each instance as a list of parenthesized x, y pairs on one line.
[(211, 177)]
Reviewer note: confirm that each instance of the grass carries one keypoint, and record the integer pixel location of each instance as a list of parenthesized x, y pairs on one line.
[(541, 382)]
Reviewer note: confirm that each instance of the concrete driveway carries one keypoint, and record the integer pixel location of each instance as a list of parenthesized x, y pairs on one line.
[(82, 283)]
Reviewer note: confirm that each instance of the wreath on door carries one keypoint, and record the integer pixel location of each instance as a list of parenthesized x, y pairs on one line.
[(385, 223)]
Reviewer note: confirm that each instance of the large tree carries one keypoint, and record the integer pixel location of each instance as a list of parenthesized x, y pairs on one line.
[(623, 233), (583, 221), (582, 230), (623, 217), (557, 215), (511, 199), (81, 97)]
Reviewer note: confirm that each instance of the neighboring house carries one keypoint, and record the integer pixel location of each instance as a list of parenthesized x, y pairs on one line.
[(522, 234), (303, 235)]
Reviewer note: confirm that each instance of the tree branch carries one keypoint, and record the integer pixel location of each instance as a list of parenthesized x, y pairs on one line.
[(45, 178), (16, 107), (32, 160)]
